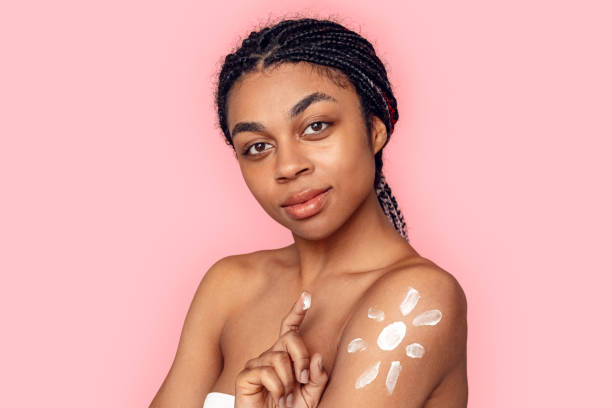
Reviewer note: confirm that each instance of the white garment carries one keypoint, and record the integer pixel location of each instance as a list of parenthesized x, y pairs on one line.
[(219, 400)]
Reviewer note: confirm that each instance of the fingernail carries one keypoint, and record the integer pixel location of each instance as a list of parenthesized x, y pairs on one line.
[(304, 376), (320, 363), (281, 402), (290, 400), (306, 300)]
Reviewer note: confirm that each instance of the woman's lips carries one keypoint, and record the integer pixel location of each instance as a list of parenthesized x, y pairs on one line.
[(307, 208)]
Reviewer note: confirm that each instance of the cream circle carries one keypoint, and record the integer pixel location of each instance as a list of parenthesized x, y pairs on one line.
[(391, 336)]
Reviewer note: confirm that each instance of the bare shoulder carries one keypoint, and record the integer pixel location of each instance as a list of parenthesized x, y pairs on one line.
[(431, 280), (407, 333), (430, 301), (219, 279), (234, 277), (220, 282)]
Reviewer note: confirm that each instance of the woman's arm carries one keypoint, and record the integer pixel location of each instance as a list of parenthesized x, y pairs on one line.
[(198, 361), (407, 334)]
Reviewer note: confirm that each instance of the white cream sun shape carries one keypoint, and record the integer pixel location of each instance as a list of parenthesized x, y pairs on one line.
[(391, 336)]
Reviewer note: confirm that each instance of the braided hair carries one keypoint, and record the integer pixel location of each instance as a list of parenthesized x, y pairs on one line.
[(335, 51)]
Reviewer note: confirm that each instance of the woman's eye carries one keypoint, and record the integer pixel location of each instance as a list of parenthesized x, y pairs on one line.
[(247, 151), (317, 127)]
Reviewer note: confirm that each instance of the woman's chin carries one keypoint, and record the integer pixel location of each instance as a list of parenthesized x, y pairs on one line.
[(315, 231)]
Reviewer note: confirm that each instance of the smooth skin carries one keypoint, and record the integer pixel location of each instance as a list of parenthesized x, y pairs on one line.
[(348, 257)]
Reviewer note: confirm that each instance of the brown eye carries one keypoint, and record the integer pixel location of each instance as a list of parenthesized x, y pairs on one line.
[(317, 127), (258, 149)]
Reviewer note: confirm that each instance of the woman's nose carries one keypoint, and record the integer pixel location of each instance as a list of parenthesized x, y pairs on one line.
[(291, 161)]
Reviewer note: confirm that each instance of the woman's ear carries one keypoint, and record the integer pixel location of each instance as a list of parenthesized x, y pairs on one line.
[(378, 134)]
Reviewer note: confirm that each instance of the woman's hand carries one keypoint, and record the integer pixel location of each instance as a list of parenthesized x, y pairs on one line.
[(271, 380)]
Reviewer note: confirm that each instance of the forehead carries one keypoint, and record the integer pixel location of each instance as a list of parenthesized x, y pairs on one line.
[(272, 92)]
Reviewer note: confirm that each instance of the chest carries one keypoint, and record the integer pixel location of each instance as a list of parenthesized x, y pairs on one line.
[(256, 327)]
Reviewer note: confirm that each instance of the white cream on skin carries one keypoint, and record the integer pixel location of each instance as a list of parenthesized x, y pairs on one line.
[(392, 376), (391, 336), (367, 376), (357, 344), (415, 350), (376, 314), (428, 318), (410, 300)]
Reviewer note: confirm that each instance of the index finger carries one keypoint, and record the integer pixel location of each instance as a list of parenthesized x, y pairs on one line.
[(296, 315)]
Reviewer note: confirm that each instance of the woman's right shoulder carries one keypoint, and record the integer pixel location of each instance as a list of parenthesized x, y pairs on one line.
[(220, 278), (237, 265), (234, 277)]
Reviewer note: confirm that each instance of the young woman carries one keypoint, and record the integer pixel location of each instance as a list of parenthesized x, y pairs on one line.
[(349, 314)]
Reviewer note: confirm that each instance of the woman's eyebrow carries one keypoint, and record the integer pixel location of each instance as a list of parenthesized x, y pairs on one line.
[(298, 108), (308, 100)]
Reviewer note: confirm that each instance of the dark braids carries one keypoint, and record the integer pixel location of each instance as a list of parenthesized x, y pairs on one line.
[(335, 51)]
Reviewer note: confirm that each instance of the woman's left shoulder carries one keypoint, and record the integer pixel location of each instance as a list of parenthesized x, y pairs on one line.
[(423, 279)]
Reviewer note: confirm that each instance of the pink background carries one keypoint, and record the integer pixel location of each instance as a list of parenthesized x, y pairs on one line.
[(118, 192)]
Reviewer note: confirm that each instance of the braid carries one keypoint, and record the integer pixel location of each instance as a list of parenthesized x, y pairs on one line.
[(339, 53), (389, 205)]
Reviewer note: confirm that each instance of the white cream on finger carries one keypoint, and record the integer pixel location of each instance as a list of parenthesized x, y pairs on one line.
[(307, 300)]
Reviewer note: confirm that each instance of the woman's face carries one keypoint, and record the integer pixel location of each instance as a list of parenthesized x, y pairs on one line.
[(285, 144)]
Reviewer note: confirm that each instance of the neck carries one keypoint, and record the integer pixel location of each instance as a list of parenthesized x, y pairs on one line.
[(365, 242)]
